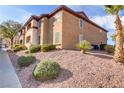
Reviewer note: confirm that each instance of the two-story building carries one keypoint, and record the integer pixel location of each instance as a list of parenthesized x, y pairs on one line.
[(62, 27)]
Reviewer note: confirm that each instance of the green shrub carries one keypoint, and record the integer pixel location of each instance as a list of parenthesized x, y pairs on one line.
[(35, 48), (25, 61), (47, 47), (19, 47), (102, 46), (16, 45), (84, 46), (109, 48), (45, 70)]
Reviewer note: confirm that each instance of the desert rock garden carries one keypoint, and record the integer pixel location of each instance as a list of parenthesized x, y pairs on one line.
[(44, 66), (40, 64)]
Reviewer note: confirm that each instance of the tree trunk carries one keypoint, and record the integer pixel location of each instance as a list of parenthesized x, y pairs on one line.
[(11, 43), (118, 54)]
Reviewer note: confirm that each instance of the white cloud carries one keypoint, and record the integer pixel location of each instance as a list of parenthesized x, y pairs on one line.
[(13, 13), (106, 21)]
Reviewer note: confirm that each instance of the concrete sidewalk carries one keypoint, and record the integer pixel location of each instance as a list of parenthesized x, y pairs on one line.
[(8, 77)]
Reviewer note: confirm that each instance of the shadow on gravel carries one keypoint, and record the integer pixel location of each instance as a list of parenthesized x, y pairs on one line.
[(64, 75), (100, 55)]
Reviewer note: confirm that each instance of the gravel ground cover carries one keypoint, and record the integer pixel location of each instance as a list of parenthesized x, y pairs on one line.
[(94, 69)]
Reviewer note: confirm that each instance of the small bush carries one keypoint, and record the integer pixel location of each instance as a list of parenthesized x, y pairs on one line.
[(45, 70), (102, 46), (25, 61), (46, 47), (109, 48), (17, 47), (84, 46), (35, 48)]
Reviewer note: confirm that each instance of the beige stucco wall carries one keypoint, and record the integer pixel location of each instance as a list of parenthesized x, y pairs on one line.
[(44, 31), (55, 25), (69, 27), (71, 31), (34, 23), (22, 37), (33, 33), (34, 39), (94, 34), (50, 30)]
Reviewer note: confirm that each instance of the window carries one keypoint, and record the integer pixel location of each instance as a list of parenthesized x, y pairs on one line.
[(28, 39), (57, 37), (20, 41), (81, 23), (80, 38)]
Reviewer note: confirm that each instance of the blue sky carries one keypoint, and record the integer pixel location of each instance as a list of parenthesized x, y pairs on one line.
[(95, 13)]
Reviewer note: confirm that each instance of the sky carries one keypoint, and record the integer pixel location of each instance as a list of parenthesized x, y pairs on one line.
[(95, 13)]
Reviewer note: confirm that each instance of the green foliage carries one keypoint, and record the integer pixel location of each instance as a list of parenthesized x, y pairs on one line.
[(47, 47), (113, 9), (9, 30), (46, 69), (84, 46), (114, 36), (17, 47), (109, 49), (25, 61), (102, 46), (35, 48)]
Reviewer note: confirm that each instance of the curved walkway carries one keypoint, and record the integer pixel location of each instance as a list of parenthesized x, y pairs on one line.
[(8, 77)]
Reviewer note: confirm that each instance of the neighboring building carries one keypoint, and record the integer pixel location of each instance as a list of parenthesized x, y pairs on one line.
[(16, 39), (62, 27)]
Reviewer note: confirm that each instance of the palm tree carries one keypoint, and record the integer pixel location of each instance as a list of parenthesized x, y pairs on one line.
[(9, 30), (113, 36), (114, 10)]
